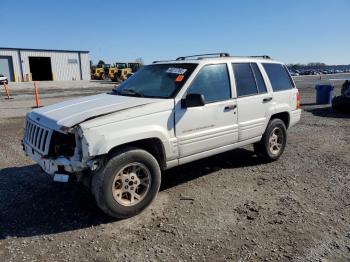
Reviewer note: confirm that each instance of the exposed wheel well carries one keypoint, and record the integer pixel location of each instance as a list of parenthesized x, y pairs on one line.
[(284, 116), (154, 146)]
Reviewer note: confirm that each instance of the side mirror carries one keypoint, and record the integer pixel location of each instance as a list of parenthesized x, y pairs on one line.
[(193, 100)]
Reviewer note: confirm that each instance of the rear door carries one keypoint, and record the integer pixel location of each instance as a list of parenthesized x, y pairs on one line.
[(253, 100), (284, 91), (213, 125)]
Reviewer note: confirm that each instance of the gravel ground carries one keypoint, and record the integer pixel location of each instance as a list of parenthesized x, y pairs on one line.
[(232, 206)]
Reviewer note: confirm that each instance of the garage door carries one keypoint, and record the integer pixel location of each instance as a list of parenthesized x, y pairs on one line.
[(6, 67)]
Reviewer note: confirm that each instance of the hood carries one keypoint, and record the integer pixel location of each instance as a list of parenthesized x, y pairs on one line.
[(72, 112)]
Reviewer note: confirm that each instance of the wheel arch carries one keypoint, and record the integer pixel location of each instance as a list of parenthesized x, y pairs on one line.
[(284, 116), (152, 145)]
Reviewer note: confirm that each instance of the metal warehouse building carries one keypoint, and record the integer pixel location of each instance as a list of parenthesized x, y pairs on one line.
[(20, 64)]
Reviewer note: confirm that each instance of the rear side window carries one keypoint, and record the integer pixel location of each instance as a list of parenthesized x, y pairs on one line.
[(279, 77), (245, 81), (249, 80), (213, 82)]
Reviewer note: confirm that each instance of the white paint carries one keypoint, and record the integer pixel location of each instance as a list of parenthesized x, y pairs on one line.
[(3, 78), (72, 112)]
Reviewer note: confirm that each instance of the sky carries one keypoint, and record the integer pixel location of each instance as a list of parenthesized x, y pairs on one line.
[(288, 31)]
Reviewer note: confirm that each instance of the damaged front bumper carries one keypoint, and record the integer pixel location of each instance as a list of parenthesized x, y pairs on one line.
[(55, 165)]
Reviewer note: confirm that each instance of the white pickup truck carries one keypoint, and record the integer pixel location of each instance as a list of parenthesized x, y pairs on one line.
[(167, 114)]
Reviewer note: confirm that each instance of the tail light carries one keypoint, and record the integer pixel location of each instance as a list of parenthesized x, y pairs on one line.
[(298, 100)]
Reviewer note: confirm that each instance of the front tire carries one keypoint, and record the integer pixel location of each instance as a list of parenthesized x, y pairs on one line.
[(127, 183), (274, 140)]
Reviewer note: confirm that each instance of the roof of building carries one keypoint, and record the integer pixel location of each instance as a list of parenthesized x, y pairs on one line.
[(44, 50)]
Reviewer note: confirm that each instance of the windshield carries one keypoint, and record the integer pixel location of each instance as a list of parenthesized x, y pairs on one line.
[(157, 81)]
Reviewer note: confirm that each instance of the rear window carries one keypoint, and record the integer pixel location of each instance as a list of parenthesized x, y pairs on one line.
[(279, 77)]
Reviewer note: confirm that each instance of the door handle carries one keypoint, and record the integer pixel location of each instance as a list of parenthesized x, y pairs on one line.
[(230, 107), (267, 99)]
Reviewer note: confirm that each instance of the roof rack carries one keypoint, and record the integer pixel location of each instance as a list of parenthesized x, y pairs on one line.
[(253, 56), (203, 55), (182, 58), (160, 61), (260, 56)]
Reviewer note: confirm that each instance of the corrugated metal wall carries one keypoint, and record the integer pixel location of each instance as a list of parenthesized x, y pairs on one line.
[(85, 66), (15, 61), (61, 69), (65, 65)]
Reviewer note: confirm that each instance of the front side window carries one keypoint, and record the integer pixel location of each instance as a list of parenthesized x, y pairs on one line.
[(279, 77), (156, 81), (213, 82)]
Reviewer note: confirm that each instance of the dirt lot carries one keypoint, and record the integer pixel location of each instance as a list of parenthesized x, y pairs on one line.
[(228, 207)]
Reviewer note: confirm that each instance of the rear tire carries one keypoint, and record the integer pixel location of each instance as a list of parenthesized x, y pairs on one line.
[(274, 140), (127, 183)]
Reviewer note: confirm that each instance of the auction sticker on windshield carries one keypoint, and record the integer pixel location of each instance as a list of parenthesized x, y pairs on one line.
[(174, 70), (179, 78)]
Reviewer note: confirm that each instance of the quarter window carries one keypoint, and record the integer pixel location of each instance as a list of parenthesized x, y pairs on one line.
[(259, 79), (213, 82), (279, 77)]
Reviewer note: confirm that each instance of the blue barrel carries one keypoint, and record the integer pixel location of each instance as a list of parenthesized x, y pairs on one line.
[(324, 94)]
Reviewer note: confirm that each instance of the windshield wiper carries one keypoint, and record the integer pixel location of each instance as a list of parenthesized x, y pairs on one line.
[(130, 92)]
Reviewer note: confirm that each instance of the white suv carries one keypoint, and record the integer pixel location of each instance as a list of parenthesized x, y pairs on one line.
[(3, 79), (167, 114)]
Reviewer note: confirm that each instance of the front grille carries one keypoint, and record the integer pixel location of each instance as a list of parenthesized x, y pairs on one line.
[(37, 136)]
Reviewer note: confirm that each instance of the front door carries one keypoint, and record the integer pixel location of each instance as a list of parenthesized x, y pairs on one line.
[(213, 125)]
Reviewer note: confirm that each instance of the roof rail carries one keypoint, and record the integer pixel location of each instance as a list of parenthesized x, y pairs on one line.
[(154, 62), (182, 58), (260, 56), (203, 55)]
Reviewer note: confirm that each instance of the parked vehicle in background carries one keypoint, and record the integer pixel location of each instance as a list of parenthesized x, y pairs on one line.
[(342, 103), (293, 72), (168, 114), (135, 66), (114, 70), (100, 72), (123, 71), (3, 79)]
